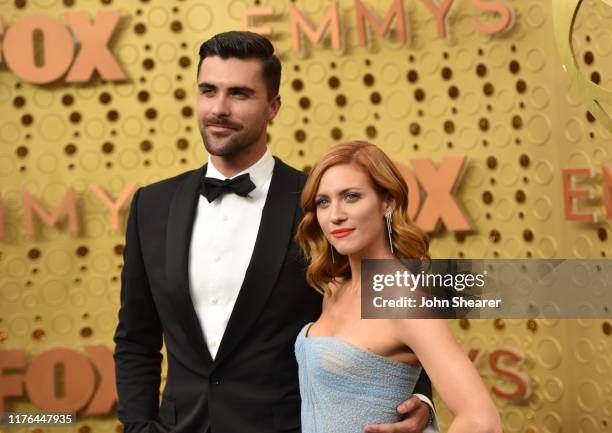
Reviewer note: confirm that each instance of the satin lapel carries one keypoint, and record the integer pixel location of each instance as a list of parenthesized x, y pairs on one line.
[(273, 239), (178, 240)]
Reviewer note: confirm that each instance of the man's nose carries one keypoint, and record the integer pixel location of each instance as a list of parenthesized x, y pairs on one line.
[(221, 106)]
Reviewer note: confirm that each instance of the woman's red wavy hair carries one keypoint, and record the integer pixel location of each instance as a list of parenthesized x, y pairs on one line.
[(409, 241)]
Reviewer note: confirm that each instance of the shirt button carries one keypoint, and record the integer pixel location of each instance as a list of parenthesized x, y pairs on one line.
[(215, 300), (217, 259), (213, 343), (225, 217)]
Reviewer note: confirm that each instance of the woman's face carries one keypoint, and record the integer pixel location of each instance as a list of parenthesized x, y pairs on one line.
[(351, 212)]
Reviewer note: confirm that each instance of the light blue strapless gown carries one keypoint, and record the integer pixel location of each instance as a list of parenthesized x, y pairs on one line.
[(344, 387)]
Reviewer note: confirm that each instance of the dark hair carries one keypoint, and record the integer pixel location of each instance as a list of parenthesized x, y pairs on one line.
[(246, 45)]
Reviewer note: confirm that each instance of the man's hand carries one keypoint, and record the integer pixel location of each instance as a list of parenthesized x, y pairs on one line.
[(416, 418)]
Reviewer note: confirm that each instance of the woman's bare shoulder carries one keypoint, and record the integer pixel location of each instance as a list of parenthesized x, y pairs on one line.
[(419, 328)]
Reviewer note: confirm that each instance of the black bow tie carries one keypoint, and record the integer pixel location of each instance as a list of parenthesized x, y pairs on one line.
[(212, 188)]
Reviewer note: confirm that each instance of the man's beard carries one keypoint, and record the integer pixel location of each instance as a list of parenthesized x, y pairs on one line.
[(233, 145)]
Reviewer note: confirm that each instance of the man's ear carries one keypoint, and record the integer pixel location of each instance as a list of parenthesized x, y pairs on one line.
[(275, 105)]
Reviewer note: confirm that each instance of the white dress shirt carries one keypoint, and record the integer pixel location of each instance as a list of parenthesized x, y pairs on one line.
[(222, 242)]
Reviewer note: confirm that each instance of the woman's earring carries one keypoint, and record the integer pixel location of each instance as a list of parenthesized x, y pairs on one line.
[(331, 248), (389, 218)]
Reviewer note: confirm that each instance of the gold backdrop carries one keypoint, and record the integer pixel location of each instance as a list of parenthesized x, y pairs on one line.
[(504, 101)]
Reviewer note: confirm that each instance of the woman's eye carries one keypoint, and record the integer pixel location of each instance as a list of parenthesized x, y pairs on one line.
[(351, 196), (321, 202)]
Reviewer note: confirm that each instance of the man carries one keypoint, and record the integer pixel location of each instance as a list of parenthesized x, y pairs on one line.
[(210, 264)]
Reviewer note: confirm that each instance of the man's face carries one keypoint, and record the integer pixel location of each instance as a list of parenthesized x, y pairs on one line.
[(232, 105)]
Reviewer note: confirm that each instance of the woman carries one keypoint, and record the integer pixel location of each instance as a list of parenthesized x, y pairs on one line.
[(352, 371)]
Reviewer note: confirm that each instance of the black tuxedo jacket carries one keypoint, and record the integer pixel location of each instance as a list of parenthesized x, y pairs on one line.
[(252, 384)]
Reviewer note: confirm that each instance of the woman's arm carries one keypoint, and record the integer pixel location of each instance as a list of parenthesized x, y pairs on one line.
[(452, 373)]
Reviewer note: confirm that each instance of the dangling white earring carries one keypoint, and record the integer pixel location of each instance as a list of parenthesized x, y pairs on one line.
[(331, 248), (389, 218)]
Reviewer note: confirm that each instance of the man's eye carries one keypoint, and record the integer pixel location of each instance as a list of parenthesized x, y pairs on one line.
[(239, 95), (206, 92)]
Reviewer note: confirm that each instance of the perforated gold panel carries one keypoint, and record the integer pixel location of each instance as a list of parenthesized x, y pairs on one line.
[(503, 101)]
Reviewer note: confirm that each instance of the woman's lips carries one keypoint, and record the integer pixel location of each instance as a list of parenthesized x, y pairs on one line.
[(342, 233)]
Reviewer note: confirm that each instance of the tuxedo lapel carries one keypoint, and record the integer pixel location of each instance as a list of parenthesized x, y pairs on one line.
[(272, 242), (178, 241)]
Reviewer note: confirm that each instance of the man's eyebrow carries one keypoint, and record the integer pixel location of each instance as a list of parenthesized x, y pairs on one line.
[(234, 89), (242, 89)]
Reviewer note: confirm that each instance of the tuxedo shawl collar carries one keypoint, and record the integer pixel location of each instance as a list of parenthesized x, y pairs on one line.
[(272, 242)]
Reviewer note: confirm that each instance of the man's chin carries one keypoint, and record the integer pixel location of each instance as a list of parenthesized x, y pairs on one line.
[(222, 147)]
